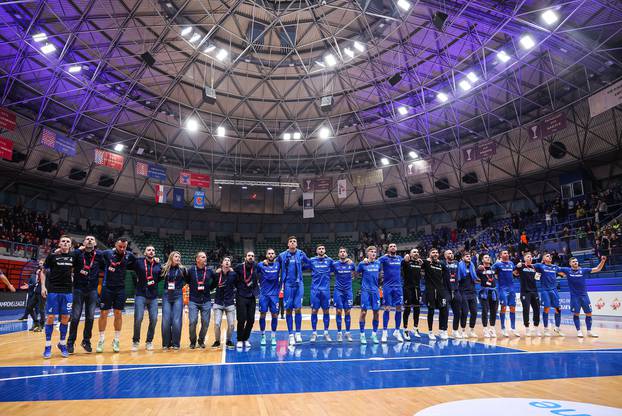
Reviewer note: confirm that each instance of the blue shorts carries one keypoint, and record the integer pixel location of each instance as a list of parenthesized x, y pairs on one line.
[(393, 296), (343, 299), (292, 296), (112, 298), (578, 302), (320, 299), (507, 296), (370, 300), (550, 298), (268, 302), (59, 303)]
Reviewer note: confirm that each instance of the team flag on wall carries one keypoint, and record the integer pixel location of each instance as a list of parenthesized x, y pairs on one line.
[(307, 205), (57, 142), (199, 199), (342, 190), (160, 194), (6, 148), (151, 170), (178, 197), (194, 179), (111, 160)]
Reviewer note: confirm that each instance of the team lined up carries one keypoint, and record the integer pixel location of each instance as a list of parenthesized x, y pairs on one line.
[(74, 276)]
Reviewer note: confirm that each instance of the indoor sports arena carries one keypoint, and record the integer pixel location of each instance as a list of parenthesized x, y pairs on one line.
[(305, 207)]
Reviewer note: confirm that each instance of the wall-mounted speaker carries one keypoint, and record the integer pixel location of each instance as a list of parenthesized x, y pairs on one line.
[(46, 165), (416, 188), (470, 178), (105, 181), (557, 150), (395, 79), (391, 192), (77, 174), (442, 183)]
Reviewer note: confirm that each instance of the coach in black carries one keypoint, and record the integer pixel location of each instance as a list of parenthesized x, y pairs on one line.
[(247, 290)]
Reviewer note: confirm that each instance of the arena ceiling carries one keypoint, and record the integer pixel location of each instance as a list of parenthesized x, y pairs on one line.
[(409, 80)]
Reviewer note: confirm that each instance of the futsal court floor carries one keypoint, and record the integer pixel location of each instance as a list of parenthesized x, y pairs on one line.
[(322, 378)]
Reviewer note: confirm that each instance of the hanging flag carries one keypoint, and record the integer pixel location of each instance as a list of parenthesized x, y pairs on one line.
[(111, 160), (57, 142), (7, 119), (151, 170), (342, 190), (6, 148), (199, 199), (307, 205), (160, 194), (178, 197), (194, 179)]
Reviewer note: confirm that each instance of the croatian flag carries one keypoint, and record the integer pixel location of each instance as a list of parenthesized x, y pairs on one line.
[(160, 194)]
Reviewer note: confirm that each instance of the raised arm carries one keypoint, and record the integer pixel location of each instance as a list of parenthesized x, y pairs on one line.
[(600, 266)]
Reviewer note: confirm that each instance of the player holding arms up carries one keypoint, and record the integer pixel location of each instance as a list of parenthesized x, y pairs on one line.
[(369, 269), (344, 272), (529, 293), (549, 294), (504, 269)]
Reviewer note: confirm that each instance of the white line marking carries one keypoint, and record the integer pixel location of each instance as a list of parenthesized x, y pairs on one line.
[(399, 369)]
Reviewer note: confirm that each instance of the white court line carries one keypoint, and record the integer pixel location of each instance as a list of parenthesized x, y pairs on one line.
[(293, 362), (399, 369)]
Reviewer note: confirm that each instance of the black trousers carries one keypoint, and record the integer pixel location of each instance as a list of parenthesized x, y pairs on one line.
[(469, 306), (530, 299), (412, 300), (456, 307), (245, 311), (489, 307), (36, 301)]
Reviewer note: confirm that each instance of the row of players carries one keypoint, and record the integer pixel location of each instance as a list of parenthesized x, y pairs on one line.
[(73, 278)]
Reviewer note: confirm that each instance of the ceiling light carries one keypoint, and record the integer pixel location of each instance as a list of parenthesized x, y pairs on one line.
[(219, 186), (195, 37), (324, 133), (269, 188), (464, 84), (75, 68), (472, 76), (287, 136), (384, 161), (403, 4), (40, 37), (413, 154), (549, 17), (192, 124), (442, 97), (222, 54), (118, 147), (349, 52), (210, 48), (330, 60), (402, 110), (220, 131), (245, 187), (320, 63), (503, 56), (359, 46), (297, 135), (527, 42), (48, 48), (186, 31)]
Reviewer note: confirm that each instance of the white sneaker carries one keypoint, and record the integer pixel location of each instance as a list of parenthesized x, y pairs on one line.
[(149, 346), (398, 335), (363, 338), (458, 334), (547, 333), (558, 332), (516, 333), (327, 336), (416, 333), (444, 335), (385, 336), (348, 337), (313, 337), (339, 337), (406, 335), (298, 338), (486, 333), (473, 334), (579, 334), (538, 332), (135, 346), (493, 332), (528, 332), (591, 334), (292, 340), (240, 344), (247, 344), (505, 333)]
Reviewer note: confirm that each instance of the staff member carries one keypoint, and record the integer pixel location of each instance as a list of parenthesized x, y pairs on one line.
[(148, 274), (201, 281), (175, 277), (223, 301)]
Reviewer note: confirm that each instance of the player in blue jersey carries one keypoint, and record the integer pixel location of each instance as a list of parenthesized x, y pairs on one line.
[(504, 269), (579, 298), (344, 272), (269, 287), (321, 267), (290, 263), (391, 264), (548, 293), (369, 269)]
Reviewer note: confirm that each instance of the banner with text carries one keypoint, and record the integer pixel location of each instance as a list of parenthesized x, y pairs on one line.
[(194, 179), (7, 119), (108, 159), (151, 170), (6, 148), (368, 178), (307, 205), (548, 126), (342, 188), (58, 142), (317, 184), (605, 99)]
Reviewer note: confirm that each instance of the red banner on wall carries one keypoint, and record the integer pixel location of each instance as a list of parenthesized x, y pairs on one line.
[(194, 179), (7, 119), (6, 148), (111, 160)]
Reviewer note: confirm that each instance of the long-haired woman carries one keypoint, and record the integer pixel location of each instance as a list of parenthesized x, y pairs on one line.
[(175, 277)]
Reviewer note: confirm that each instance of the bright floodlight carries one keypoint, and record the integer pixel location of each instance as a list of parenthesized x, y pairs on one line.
[(210, 48), (220, 131), (118, 147), (442, 97), (192, 124), (48, 48), (287, 136), (503, 56), (245, 187), (549, 17), (222, 54), (349, 52), (269, 188), (186, 31), (413, 154), (75, 68), (40, 37), (464, 84), (195, 37), (404, 5), (330, 60), (359, 46), (297, 135), (384, 161), (472, 76), (527, 42), (324, 133), (402, 110)]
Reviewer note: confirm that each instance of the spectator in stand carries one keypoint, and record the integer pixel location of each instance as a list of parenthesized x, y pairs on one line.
[(548, 219), (582, 237)]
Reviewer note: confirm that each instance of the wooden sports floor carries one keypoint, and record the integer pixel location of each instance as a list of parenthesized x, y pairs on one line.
[(321, 378)]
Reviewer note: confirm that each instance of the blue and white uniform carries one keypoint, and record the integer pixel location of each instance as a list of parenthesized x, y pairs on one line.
[(269, 287), (392, 280), (370, 293), (343, 284), (321, 268)]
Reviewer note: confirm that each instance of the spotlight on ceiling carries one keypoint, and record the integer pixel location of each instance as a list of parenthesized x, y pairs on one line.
[(75, 69), (287, 136), (349, 52), (40, 37), (210, 48), (413, 154), (384, 161), (186, 31), (330, 59), (402, 110), (220, 131), (472, 76), (324, 133), (195, 37), (359, 46), (503, 56), (297, 135), (527, 42), (442, 97), (549, 17), (404, 5), (48, 48), (192, 125), (119, 147), (464, 84), (222, 54)]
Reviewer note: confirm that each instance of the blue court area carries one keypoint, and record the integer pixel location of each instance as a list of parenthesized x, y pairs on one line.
[(307, 368)]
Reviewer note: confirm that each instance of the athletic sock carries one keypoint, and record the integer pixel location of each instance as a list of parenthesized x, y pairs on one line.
[(545, 319), (374, 323), (502, 319), (513, 320), (588, 322), (326, 318), (313, 321), (298, 321), (398, 319), (273, 324), (348, 320), (102, 336), (262, 324), (49, 328), (385, 320), (290, 323), (362, 326), (338, 320), (117, 335), (558, 318), (577, 322), (63, 333)]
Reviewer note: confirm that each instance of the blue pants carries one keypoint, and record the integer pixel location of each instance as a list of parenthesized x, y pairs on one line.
[(320, 299), (393, 296), (370, 300), (550, 298), (86, 299), (140, 302), (59, 303), (507, 296), (267, 302), (172, 312), (343, 299), (193, 315), (578, 302), (292, 296)]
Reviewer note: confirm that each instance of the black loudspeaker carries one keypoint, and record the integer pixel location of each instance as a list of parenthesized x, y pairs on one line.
[(438, 20), (391, 192), (416, 188), (470, 177), (557, 150), (209, 95), (18, 157), (326, 103), (300, 201), (45, 165), (105, 181), (148, 59), (442, 183), (77, 174), (395, 79)]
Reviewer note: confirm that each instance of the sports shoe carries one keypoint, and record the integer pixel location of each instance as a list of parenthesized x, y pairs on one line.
[(385, 336), (298, 338), (263, 339), (528, 332), (516, 333), (374, 338), (176, 347), (70, 348), (406, 335), (538, 332), (313, 337), (505, 333), (493, 332), (87, 346), (456, 335), (247, 344), (473, 334), (547, 333), (416, 333), (100, 346), (63, 350), (229, 345), (558, 332), (193, 346), (486, 333), (363, 338), (292, 340), (37, 328), (398, 335), (135, 346), (339, 337), (149, 346), (115, 345), (47, 352), (327, 337), (349, 337), (444, 335), (273, 340), (591, 334), (579, 334), (201, 345), (216, 344), (240, 344)]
